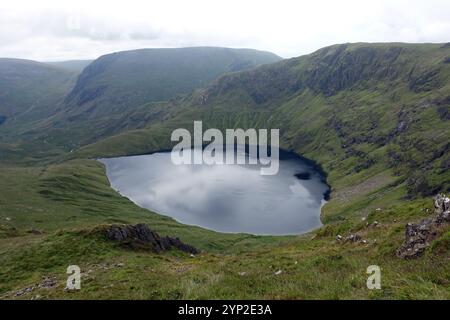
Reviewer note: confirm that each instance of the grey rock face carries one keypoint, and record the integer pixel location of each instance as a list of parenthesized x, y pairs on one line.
[(46, 283), (419, 236), (442, 208), (140, 236)]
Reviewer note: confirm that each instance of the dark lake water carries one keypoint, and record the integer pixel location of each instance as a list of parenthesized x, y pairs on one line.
[(226, 198)]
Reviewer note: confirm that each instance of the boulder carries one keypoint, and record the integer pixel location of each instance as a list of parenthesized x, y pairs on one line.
[(353, 238), (442, 208), (35, 232)]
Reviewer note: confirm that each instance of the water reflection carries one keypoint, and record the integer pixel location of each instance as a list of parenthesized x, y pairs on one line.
[(226, 198)]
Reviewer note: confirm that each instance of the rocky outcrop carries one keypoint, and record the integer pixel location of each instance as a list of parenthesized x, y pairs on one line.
[(352, 238), (140, 236), (46, 283), (442, 208), (419, 236), (35, 232)]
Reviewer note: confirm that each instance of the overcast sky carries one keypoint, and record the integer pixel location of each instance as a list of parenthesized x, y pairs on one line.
[(79, 29)]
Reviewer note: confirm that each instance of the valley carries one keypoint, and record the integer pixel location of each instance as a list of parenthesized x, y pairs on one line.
[(374, 117)]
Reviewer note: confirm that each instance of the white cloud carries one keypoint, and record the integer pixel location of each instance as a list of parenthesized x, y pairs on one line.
[(58, 30)]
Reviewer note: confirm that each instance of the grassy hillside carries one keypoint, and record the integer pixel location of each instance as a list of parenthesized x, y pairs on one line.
[(122, 80), (111, 90), (369, 114), (374, 116), (30, 91), (66, 202)]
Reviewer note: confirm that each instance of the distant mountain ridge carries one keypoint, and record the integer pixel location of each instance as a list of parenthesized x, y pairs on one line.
[(71, 65), (23, 82), (113, 85), (30, 90), (122, 80)]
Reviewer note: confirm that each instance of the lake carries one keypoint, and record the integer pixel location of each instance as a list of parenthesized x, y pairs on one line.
[(226, 198)]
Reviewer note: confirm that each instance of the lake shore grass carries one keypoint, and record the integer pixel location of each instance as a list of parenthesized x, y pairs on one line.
[(66, 201)]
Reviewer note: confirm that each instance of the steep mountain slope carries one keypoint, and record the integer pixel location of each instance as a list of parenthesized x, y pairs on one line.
[(109, 90), (116, 85), (118, 81), (361, 105), (363, 111)]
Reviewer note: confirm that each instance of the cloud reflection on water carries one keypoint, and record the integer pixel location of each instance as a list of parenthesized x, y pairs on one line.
[(227, 198)]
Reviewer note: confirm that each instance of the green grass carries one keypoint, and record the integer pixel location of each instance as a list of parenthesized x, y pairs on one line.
[(375, 128), (77, 194), (66, 201), (311, 269)]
